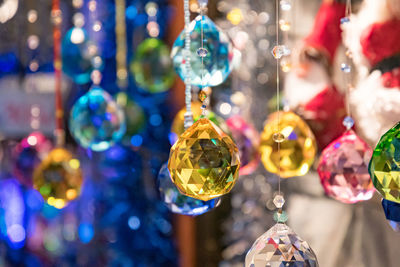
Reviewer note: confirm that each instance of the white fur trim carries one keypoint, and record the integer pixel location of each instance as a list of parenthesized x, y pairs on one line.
[(375, 108)]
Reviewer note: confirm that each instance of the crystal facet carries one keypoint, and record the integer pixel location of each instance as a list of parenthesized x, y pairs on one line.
[(392, 213), (96, 121), (152, 67), (384, 166), (280, 246), (297, 151), (348, 122), (76, 54), (204, 162), (345, 68), (343, 169), (280, 216), (178, 128), (202, 52), (218, 60), (247, 140), (344, 20), (177, 202), (280, 50), (58, 178)]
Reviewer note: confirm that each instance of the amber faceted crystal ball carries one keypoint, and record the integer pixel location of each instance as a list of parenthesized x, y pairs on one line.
[(58, 178), (204, 162), (297, 147)]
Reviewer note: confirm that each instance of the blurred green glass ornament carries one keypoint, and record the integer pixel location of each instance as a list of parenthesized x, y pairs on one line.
[(152, 66), (135, 117)]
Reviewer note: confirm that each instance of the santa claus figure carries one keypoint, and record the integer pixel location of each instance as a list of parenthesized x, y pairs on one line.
[(372, 38)]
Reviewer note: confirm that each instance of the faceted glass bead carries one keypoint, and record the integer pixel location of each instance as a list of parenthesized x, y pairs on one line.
[(285, 5), (96, 121), (178, 128), (384, 166), (345, 68), (344, 20), (348, 122), (152, 67), (28, 155), (177, 202), (297, 151), (204, 163), (343, 169), (280, 216), (135, 117), (279, 201), (247, 140), (280, 246), (77, 53), (217, 61), (58, 178), (280, 50)]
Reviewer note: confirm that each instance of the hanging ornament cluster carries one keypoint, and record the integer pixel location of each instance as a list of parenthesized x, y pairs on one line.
[(297, 148), (177, 202)]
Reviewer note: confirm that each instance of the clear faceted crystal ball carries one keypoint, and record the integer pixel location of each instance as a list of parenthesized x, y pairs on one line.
[(96, 120), (76, 54), (177, 202), (217, 61), (280, 246), (343, 169)]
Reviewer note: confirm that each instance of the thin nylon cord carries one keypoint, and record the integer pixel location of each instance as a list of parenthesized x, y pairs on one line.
[(277, 95), (348, 76)]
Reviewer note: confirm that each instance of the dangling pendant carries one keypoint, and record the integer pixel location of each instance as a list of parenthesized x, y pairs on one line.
[(96, 121), (343, 169), (204, 163), (297, 145), (216, 53), (384, 166), (280, 246)]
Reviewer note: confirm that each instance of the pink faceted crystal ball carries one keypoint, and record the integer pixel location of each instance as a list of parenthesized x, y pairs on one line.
[(247, 140), (343, 169)]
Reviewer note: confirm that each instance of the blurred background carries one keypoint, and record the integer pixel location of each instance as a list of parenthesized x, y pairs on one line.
[(120, 219)]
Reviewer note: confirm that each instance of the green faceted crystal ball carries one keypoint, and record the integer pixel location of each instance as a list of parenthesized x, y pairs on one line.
[(384, 166)]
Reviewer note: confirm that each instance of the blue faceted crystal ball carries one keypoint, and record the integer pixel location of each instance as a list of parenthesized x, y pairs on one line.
[(77, 56), (217, 56), (177, 202), (96, 121)]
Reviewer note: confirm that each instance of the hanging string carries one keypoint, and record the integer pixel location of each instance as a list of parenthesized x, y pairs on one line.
[(56, 17), (202, 52), (188, 91), (348, 122), (97, 61), (120, 33), (278, 95)]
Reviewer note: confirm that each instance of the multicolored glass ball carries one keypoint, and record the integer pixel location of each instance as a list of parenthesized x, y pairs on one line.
[(96, 121), (343, 169), (278, 247), (247, 140), (384, 166), (28, 154), (77, 53), (152, 66), (204, 163), (297, 145), (58, 178), (217, 61), (177, 202), (178, 128)]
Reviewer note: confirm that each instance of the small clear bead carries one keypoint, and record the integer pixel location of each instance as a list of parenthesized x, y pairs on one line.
[(280, 216), (202, 95), (348, 122), (202, 52), (344, 20), (280, 50), (285, 5), (278, 137), (279, 201), (202, 3), (345, 68)]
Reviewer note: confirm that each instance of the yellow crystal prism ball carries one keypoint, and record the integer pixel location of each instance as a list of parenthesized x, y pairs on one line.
[(58, 178), (297, 149), (204, 162)]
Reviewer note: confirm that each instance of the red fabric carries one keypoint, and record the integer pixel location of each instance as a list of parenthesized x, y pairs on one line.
[(381, 40), (391, 79), (324, 113), (326, 34)]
